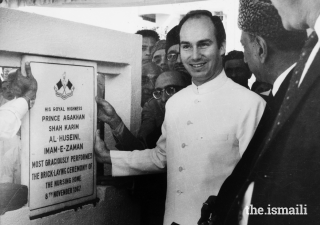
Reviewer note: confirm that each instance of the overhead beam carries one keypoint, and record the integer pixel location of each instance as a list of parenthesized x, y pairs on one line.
[(89, 3)]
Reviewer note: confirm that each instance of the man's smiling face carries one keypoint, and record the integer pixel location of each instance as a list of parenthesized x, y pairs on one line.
[(199, 49)]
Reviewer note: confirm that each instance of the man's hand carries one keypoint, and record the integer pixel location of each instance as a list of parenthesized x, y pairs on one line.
[(207, 210), (24, 86), (101, 150), (107, 113)]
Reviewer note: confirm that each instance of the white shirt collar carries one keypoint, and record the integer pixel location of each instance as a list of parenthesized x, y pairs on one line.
[(313, 53), (266, 93), (280, 79), (211, 85), (317, 26)]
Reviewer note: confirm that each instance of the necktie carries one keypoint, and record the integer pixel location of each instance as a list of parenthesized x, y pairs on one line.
[(294, 82), (309, 45), (293, 86)]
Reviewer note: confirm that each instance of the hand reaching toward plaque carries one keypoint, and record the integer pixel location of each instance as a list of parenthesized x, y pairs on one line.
[(107, 113), (101, 150), (24, 86)]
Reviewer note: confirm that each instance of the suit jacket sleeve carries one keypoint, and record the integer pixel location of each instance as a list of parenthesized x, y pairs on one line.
[(126, 140), (126, 163), (148, 123), (11, 114)]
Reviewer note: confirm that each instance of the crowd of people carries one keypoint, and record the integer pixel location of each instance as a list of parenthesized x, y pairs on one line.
[(212, 151)]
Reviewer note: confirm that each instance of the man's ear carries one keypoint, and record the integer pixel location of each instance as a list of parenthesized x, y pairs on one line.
[(223, 48), (262, 50)]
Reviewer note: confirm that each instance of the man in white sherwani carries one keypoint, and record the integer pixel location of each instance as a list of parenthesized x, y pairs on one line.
[(207, 125)]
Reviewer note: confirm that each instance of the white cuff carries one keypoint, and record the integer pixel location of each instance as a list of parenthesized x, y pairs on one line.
[(18, 106)]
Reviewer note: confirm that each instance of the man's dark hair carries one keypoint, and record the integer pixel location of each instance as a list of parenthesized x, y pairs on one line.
[(149, 33), (220, 33), (172, 38), (235, 55)]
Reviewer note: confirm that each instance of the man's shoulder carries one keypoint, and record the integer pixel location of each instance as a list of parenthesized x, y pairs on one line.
[(178, 97), (240, 92)]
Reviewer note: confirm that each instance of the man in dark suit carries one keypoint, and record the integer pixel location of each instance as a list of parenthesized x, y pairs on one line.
[(271, 53), (284, 181)]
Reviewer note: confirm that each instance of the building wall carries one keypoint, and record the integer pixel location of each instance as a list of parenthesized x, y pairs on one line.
[(118, 54), (118, 58)]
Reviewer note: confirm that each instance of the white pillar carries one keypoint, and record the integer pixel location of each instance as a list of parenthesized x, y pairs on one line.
[(231, 11)]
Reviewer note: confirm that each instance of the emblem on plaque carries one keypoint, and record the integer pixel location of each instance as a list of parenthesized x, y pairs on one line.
[(64, 88)]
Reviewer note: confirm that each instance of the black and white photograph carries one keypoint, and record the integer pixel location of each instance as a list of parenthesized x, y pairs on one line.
[(159, 112)]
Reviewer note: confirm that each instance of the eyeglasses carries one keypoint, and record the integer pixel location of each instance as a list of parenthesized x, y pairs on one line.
[(169, 90), (172, 56), (157, 59)]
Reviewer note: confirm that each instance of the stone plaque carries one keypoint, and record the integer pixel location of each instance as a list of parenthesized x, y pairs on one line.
[(60, 139)]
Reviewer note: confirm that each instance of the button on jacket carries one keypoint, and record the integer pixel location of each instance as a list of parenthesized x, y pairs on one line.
[(205, 132)]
